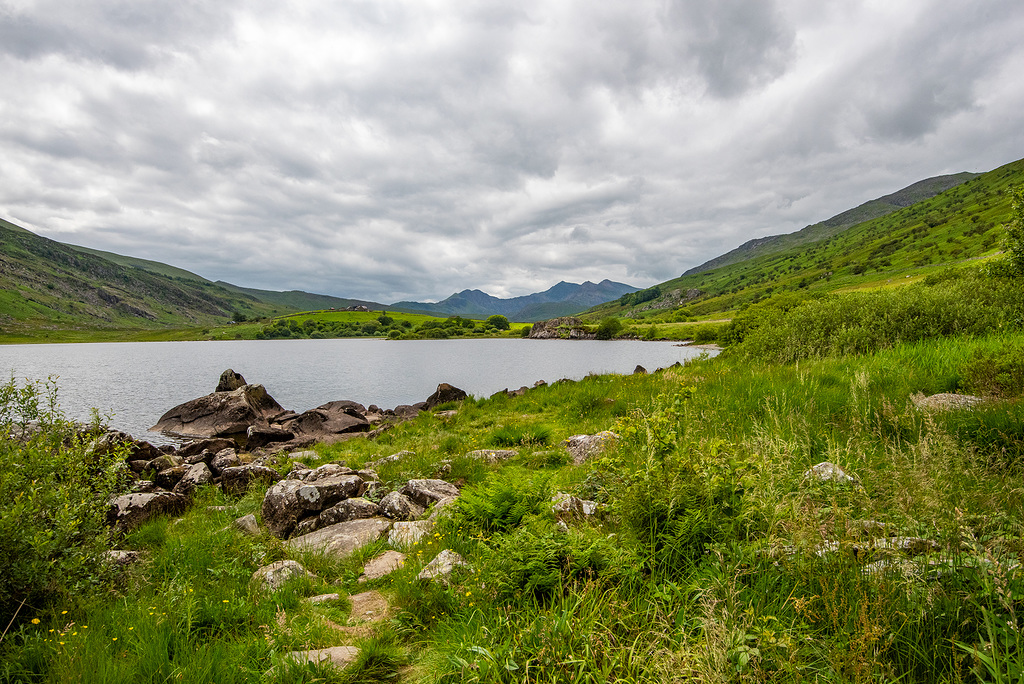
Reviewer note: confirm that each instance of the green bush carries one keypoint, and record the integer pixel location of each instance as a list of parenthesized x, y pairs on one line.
[(609, 328), (53, 500), (996, 373)]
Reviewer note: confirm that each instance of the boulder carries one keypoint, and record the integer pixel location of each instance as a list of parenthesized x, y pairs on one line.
[(237, 479), (328, 470), (316, 495), (195, 475), (198, 446), (349, 509), (115, 440), (221, 414), (259, 436), (639, 370), (583, 447), (229, 381), (442, 565), (225, 458), (274, 576), (443, 394), (440, 507), (169, 477), (568, 507), (342, 539), (131, 510), (328, 421), (405, 534), (407, 412), (282, 509), (426, 492), (400, 507), (163, 462)]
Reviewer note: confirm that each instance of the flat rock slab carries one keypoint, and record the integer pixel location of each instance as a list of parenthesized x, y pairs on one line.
[(492, 455), (342, 539), (382, 565), (323, 598), (338, 656), (945, 402), (369, 606)]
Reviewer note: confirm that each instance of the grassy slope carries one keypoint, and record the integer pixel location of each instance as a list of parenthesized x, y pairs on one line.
[(954, 226), (822, 230), (51, 291)]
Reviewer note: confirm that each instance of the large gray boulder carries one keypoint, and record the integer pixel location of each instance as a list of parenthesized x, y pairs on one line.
[(221, 414), (349, 509), (131, 510), (328, 422), (316, 495), (195, 475), (282, 508), (343, 539), (426, 492), (237, 479), (583, 447), (398, 506)]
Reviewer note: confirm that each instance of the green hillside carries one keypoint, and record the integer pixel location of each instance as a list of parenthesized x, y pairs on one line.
[(875, 208), (961, 224), (48, 289), (301, 301)]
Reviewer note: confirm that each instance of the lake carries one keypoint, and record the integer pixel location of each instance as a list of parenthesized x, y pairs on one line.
[(134, 383)]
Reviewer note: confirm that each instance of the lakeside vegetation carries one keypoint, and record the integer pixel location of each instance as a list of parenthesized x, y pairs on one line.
[(715, 557)]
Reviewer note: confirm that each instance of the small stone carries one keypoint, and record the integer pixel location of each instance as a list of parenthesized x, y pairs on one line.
[(323, 598), (426, 492), (829, 472), (492, 455), (338, 656), (275, 575), (382, 565), (247, 525), (442, 565)]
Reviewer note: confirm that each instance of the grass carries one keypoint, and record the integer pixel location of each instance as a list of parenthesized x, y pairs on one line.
[(713, 559)]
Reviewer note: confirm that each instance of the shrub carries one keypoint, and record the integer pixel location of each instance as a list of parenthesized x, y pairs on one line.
[(999, 373), (609, 328), (53, 500)]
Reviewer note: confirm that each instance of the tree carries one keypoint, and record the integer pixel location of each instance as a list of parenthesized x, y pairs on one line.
[(498, 321)]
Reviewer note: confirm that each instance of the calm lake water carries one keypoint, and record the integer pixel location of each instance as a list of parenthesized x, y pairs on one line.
[(136, 382)]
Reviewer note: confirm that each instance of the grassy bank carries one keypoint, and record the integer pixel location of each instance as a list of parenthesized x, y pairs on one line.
[(713, 559)]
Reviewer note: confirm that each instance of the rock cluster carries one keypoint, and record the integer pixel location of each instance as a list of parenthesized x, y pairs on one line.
[(248, 415)]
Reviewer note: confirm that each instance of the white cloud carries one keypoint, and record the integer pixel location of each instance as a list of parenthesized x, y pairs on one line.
[(392, 149)]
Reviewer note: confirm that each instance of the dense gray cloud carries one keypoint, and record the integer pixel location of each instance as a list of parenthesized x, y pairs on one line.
[(390, 149)]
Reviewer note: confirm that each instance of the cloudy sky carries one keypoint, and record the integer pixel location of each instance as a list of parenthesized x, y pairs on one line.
[(391, 149)]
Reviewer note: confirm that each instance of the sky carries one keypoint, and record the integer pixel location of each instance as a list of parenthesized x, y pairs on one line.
[(409, 149)]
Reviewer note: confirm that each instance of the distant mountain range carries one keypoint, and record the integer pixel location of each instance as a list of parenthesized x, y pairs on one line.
[(876, 208), (564, 299)]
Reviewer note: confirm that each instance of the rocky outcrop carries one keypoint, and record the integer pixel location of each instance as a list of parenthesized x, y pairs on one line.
[(567, 328), (221, 414)]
